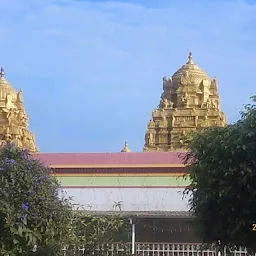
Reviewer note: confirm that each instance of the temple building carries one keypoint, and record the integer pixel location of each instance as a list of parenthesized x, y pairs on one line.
[(13, 117), (190, 101), (145, 186)]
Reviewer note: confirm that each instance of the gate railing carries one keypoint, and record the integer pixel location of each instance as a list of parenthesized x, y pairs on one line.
[(152, 249), (186, 249)]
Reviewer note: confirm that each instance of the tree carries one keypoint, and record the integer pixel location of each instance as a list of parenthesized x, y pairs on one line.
[(36, 220), (32, 213), (222, 169), (94, 233)]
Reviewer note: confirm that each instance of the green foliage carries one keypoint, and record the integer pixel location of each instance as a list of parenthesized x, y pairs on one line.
[(222, 170), (31, 210), (33, 215), (90, 231)]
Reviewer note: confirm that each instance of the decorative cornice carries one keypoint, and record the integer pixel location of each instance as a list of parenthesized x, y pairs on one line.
[(118, 174), (119, 166)]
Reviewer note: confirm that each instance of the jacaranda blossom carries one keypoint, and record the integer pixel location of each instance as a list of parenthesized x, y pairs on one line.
[(25, 206), (11, 161)]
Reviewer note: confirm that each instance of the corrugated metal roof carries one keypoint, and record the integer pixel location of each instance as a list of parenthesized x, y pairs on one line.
[(141, 158)]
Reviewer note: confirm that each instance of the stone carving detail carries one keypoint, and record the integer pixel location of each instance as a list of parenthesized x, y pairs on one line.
[(196, 120), (189, 102), (13, 117), (165, 104), (214, 83), (184, 99), (151, 139), (151, 124), (187, 79), (20, 96)]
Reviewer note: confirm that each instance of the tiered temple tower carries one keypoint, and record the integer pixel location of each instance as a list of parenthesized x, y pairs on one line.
[(189, 102), (13, 117)]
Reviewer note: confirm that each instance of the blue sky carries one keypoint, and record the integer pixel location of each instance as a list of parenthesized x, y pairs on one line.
[(92, 71)]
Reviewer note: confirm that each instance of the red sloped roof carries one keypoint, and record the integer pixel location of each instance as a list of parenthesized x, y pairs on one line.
[(142, 158)]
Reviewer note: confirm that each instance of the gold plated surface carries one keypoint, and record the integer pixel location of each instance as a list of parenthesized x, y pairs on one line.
[(13, 117), (126, 148), (190, 101)]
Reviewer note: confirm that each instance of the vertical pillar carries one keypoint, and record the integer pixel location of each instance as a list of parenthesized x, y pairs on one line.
[(133, 236), (220, 249)]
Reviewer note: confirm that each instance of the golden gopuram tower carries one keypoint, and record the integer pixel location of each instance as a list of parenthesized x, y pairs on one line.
[(13, 117), (189, 102)]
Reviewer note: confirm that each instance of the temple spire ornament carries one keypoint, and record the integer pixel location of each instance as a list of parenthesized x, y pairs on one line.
[(126, 148), (190, 101), (13, 117), (2, 71), (190, 58)]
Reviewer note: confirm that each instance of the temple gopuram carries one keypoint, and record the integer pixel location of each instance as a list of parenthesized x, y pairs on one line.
[(190, 101), (144, 186), (13, 117)]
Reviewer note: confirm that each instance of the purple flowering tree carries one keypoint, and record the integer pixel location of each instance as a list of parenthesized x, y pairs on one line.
[(32, 214)]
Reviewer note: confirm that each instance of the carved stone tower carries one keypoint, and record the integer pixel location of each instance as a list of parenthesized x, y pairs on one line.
[(189, 102), (13, 117)]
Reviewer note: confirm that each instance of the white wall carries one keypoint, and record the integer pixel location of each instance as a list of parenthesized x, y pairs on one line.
[(133, 199)]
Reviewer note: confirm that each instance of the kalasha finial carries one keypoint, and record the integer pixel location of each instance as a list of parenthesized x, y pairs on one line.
[(2, 72), (126, 148), (190, 58)]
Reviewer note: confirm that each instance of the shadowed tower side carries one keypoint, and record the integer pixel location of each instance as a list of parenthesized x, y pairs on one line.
[(13, 117), (189, 102)]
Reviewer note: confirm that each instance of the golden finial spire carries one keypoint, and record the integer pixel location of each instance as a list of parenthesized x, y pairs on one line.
[(126, 148), (2, 72), (190, 58)]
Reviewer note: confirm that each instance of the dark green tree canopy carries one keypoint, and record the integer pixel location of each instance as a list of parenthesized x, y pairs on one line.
[(223, 182)]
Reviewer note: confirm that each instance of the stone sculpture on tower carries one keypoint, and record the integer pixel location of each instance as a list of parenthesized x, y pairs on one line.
[(13, 117), (189, 102)]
